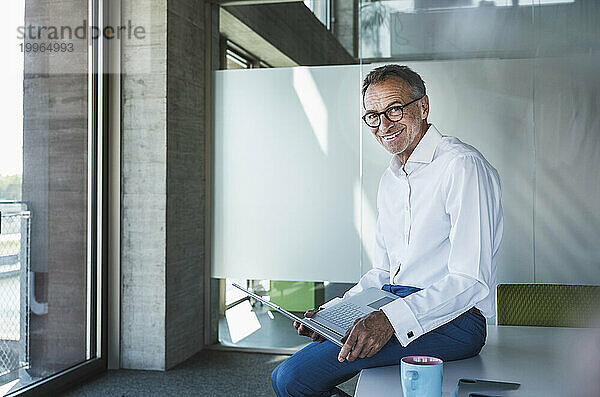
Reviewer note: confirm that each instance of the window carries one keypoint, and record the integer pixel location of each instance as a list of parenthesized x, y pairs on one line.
[(237, 57), (51, 197)]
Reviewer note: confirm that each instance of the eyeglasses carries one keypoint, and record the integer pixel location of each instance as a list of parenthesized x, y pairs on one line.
[(393, 113)]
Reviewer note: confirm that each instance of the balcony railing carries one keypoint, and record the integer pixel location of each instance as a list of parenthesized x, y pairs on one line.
[(14, 288)]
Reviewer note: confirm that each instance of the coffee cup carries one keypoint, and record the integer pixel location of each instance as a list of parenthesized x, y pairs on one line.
[(421, 376)]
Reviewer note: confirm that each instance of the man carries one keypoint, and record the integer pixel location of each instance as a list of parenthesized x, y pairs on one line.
[(439, 227)]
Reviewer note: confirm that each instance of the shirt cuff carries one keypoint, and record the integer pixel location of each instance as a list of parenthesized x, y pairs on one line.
[(405, 324), (330, 303)]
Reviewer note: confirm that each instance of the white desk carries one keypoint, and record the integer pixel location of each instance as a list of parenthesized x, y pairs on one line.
[(545, 361)]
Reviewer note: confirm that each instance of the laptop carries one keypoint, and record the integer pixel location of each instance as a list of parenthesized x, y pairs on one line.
[(332, 322)]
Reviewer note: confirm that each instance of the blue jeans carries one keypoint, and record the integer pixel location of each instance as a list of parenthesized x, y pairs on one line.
[(315, 370)]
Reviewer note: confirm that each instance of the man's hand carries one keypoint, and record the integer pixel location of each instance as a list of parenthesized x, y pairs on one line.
[(302, 330), (366, 337)]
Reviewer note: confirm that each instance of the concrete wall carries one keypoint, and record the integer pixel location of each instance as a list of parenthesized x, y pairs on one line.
[(143, 188), (163, 185), (186, 30)]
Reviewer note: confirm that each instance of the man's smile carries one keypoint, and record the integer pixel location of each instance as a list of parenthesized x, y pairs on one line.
[(391, 137)]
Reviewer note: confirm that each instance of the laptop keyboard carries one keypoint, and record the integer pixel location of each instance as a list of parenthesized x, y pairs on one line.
[(342, 315)]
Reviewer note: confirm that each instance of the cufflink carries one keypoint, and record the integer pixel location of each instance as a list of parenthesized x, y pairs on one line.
[(410, 334)]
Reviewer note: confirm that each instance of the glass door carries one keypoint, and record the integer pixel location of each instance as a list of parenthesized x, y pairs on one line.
[(51, 200)]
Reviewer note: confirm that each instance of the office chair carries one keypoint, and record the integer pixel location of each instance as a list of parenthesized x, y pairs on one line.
[(548, 305)]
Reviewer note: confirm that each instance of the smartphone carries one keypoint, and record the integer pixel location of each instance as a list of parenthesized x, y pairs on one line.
[(484, 388)]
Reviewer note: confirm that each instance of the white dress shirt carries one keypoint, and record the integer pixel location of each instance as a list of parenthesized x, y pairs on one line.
[(439, 227)]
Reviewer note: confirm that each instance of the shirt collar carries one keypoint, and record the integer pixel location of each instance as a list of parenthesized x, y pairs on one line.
[(424, 151)]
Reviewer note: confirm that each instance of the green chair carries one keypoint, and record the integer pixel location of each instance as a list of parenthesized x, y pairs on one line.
[(548, 305)]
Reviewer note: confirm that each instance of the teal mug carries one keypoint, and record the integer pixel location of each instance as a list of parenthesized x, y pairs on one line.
[(421, 376)]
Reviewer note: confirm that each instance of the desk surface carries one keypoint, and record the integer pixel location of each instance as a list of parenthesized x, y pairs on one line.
[(545, 361)]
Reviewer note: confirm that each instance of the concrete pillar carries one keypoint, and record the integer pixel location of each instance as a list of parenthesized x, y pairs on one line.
[(187, 33), (163, 184)]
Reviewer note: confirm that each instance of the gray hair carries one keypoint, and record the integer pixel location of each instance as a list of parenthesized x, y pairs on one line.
[(382, 73)]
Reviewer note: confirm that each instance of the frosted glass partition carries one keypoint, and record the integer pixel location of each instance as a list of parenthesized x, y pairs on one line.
[(291, 203), (567, 136), (287, 174)]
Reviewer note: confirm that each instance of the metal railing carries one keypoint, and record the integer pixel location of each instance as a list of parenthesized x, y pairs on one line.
[(14, 286)]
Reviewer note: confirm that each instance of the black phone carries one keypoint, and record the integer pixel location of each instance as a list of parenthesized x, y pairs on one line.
[(484, 388)]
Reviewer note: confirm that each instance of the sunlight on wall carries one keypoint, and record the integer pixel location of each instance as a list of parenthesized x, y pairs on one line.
[(313, 104)]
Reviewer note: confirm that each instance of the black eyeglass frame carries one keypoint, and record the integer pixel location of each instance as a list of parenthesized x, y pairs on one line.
[(385, 112)]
